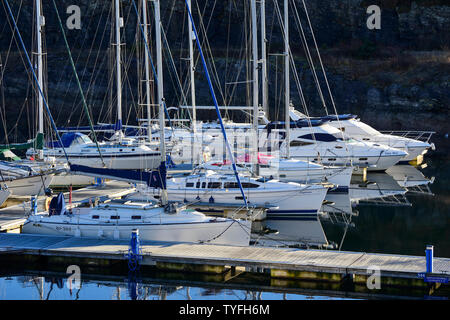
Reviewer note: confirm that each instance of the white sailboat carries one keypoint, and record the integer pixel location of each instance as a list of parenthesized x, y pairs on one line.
[(155, 223), (119, 153)]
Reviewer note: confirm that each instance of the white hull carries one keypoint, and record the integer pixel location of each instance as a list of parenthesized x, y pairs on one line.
[(67, 179), (292, 202), (339, 176), (176, 232), (116, 162), (4, 194), (29, 186)]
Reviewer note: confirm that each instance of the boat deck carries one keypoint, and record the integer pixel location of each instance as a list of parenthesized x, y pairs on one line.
[(13, 217)]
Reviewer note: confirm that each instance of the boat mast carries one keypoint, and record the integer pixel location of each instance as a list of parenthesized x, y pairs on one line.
[(286, 76), (255, 83), (40, 22), (119, 24), (192, 82), (159, 70), (147, 70), (191, 71), (265, 88)]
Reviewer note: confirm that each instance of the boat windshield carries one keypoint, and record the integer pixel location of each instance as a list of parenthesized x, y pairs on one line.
[(82, 139)]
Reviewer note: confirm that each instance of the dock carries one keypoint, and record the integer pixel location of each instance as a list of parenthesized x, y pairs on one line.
[(281, 265), (13, 217)]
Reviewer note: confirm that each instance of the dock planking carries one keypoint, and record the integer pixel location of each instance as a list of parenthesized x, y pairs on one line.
[(323, 265)]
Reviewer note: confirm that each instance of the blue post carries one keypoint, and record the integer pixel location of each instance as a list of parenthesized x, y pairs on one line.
[(429, 258), (34, 205), (134, 252)]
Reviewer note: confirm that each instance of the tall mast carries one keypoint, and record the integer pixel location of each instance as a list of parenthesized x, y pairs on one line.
[(147, 70), (191, 71), (265, 88), (255, 83), (119, 24), (40, 22), (159, 70), (194, 154), (286, 76)]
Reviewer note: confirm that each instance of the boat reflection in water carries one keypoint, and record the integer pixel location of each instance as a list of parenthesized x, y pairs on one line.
[(391, 188)]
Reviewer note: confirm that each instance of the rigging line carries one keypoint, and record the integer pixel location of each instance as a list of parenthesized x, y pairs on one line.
[(175, 70), (215, 104), (35, 78), (323, 71), (93, 77), (151, 62), (86, 109), (308, 55)]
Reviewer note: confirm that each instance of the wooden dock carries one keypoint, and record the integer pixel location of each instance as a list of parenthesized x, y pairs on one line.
[(277, 263), (12, 217)]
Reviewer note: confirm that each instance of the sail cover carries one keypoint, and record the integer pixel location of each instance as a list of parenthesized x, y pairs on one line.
[(154, 178)]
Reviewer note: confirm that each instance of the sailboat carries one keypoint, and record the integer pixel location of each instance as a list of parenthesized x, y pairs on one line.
[(119, 153), (161, 222)]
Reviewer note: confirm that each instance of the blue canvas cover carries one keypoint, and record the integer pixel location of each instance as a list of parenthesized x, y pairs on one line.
[(57, 205), (66, 139)]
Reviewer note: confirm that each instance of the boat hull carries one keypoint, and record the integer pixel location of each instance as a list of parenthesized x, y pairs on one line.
[(29, 186), (295, 202), (228, 232)]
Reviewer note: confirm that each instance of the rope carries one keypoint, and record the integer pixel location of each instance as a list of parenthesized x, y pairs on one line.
[(78, 82), (35, 78), (216, 105)]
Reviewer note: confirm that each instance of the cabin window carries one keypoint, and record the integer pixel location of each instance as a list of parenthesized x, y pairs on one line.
[(331, 159), (239, 198), (189, 185), (115, 217), (265, 166), (132, 149), (198, 184), (282, 176), (230, 185), (363, 159), (136, 217), (203, 185), (338, 147), (95, 217), (120, 150), (249, 185), (214, 185), (324, 137), (366, 139), (297, 143)]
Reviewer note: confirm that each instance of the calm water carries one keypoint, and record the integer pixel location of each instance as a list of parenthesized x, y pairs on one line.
[(37, 287), (402, 225)]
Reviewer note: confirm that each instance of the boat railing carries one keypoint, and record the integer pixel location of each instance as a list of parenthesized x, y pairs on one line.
[(424, 136)]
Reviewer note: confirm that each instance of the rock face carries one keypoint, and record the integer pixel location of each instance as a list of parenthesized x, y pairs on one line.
[(393, 78)]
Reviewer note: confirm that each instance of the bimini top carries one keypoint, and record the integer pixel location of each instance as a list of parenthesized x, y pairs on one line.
[(67, 139)]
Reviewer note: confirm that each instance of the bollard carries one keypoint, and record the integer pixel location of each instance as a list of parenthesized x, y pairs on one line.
[(429, 258)]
